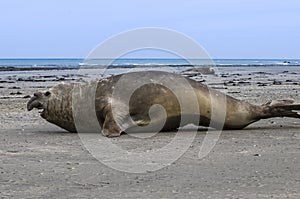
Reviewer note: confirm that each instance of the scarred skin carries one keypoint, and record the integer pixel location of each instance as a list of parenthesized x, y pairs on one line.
[(58, 108)]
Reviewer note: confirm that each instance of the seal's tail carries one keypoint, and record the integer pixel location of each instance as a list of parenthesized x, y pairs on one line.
[(280, 108)]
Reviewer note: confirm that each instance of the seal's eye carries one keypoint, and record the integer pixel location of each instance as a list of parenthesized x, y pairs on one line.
[(47, 93)]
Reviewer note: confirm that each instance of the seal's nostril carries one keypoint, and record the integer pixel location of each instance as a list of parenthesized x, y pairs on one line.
[(47, 93), (36, 94)]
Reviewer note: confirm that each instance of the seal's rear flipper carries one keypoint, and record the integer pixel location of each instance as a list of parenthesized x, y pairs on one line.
[(279, 102), (280, 108)]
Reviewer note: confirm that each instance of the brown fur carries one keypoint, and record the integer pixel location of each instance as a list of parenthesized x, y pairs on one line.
[(238, 114)]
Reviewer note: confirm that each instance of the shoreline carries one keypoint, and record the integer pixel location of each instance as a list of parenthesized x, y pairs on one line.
[(41, 68)]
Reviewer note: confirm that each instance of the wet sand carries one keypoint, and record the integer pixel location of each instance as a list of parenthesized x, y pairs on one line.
[(40, 160)]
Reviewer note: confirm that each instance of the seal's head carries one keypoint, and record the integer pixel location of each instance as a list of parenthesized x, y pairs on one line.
[(40, 101), (55, 105)]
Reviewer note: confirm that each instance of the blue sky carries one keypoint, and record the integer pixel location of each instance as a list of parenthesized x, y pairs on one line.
[(226, 29)]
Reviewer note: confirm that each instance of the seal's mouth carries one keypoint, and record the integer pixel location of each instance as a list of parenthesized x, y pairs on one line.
[(34, 103)]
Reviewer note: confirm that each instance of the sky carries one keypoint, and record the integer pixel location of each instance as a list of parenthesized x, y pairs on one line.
[(226, 29)]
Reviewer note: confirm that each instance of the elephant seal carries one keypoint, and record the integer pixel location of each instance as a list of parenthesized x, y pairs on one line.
[(56, 105)]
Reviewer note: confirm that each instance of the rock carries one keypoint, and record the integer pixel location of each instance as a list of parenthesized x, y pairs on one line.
[(14, 87), (276, 82), (17, 93), (261, 84), (243, 83), (198, 71), (27, 96)]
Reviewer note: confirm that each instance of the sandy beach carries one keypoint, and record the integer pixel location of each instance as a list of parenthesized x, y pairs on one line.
[(40, 160)]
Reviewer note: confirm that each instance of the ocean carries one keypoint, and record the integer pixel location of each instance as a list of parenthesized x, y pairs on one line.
[(22, 64)]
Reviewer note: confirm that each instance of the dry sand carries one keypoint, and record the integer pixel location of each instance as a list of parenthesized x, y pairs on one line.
[(40, 160)]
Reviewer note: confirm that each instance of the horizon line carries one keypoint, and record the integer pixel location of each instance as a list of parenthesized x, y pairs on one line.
[(53, 58)]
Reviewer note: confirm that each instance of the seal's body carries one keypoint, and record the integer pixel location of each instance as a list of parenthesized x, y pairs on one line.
[(169, 91)]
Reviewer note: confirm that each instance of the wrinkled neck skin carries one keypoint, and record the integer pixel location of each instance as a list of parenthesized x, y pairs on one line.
[(59, 107)]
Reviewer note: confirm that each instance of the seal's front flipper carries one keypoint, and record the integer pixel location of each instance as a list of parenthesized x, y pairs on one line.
[(110, 127)]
